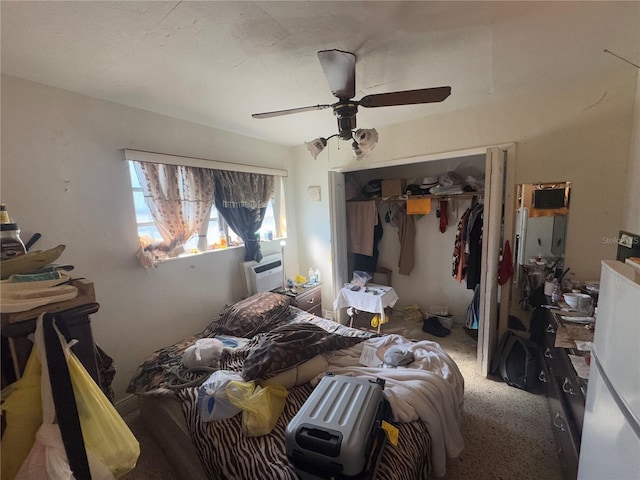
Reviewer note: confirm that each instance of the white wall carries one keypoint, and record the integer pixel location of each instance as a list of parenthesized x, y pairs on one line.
[(631, 222), (64, 175), (581, 135)]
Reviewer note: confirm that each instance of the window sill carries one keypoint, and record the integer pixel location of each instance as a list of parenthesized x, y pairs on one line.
[(186, 255)]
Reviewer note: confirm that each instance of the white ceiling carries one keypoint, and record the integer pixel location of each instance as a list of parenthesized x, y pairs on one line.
[(216, 63)]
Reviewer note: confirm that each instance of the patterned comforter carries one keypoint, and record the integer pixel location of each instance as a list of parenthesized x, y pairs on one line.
[(227, 453)]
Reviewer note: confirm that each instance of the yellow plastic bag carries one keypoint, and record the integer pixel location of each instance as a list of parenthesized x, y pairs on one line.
[(261, 406), (23, 410), (104, 431), (106, 436)]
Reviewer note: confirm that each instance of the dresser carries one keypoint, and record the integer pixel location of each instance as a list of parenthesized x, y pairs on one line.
[(564, 389)]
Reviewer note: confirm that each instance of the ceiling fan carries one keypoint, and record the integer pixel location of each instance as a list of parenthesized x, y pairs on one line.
[(340, 70)]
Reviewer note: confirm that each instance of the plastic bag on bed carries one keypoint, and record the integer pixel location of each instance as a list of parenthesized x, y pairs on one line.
[(261, 406), (213, 403), (204, 353)]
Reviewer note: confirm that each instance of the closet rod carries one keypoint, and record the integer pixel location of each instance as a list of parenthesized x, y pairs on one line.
[(456, 196)]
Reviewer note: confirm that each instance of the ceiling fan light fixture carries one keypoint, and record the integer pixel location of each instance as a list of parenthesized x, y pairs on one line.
[(364, 140), (316, 145)]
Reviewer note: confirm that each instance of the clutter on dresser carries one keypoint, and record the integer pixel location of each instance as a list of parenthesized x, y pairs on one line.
[(32, 262), (31, 280), (32, 284)]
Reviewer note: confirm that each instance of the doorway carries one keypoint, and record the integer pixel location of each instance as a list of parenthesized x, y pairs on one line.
[(498, 224)]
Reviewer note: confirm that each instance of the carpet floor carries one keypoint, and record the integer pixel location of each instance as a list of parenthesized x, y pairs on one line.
[(507, 432)]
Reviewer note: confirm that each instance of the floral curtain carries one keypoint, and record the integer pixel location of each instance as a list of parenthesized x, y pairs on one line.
[(241, 198), (179, 198)]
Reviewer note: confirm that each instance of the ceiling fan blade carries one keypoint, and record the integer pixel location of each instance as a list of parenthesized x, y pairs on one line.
[(340, 69), (278, 113), (406, 97)]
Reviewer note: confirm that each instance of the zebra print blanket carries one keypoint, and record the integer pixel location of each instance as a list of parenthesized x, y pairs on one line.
[(226, 453)]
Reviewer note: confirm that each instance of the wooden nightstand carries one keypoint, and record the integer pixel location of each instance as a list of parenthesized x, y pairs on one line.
[(308, 299)]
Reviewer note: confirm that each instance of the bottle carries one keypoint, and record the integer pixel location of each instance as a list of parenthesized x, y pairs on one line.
[(10, 243), (4, 215), (317, 276), (222, 239), (556, 294), (311, 275)]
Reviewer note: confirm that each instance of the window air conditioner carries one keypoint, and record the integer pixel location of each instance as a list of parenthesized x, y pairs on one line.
[(264, 276)]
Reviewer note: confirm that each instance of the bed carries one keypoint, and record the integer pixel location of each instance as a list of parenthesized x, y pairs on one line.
[(425, 395)]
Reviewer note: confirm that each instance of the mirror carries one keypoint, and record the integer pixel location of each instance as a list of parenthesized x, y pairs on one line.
[(542, 210)]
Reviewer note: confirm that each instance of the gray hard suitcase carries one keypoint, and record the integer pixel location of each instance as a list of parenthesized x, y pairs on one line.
[(336, 433)]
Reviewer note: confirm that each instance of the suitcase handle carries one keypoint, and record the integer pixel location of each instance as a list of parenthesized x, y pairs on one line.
[(326, 442)]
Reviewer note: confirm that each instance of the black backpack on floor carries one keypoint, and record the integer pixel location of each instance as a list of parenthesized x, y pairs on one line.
[(517, 362)]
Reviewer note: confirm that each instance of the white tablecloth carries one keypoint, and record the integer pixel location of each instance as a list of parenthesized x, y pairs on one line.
[(372, 298)]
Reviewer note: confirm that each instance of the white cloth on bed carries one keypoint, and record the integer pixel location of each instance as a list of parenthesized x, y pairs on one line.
[(430, 389)]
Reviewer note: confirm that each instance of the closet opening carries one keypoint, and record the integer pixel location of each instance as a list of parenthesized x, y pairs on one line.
[(429, 210)]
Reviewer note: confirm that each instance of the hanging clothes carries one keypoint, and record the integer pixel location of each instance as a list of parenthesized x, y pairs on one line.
[(459, 263), (407, 237), (505, 268), (473, 310), (391, 217), (474, 247), (362, 218), (467, 249), (369, 263), (444, 218)]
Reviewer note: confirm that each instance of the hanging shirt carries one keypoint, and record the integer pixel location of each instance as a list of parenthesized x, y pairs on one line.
[(459, 256), (444, 217), (362, 218), (474, 258), (407, 237)]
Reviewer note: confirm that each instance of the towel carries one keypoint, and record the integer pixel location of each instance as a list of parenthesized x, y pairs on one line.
[(362, 218)]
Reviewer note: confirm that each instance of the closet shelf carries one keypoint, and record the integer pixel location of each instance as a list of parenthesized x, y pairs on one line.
[(398, 198)]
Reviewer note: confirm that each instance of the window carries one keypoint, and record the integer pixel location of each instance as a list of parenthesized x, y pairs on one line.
[(209, 238)]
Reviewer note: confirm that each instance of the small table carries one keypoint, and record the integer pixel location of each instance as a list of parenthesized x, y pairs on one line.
[(372, 298)]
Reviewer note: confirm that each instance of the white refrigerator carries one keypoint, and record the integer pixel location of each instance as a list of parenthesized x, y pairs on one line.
[(610, 447)]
